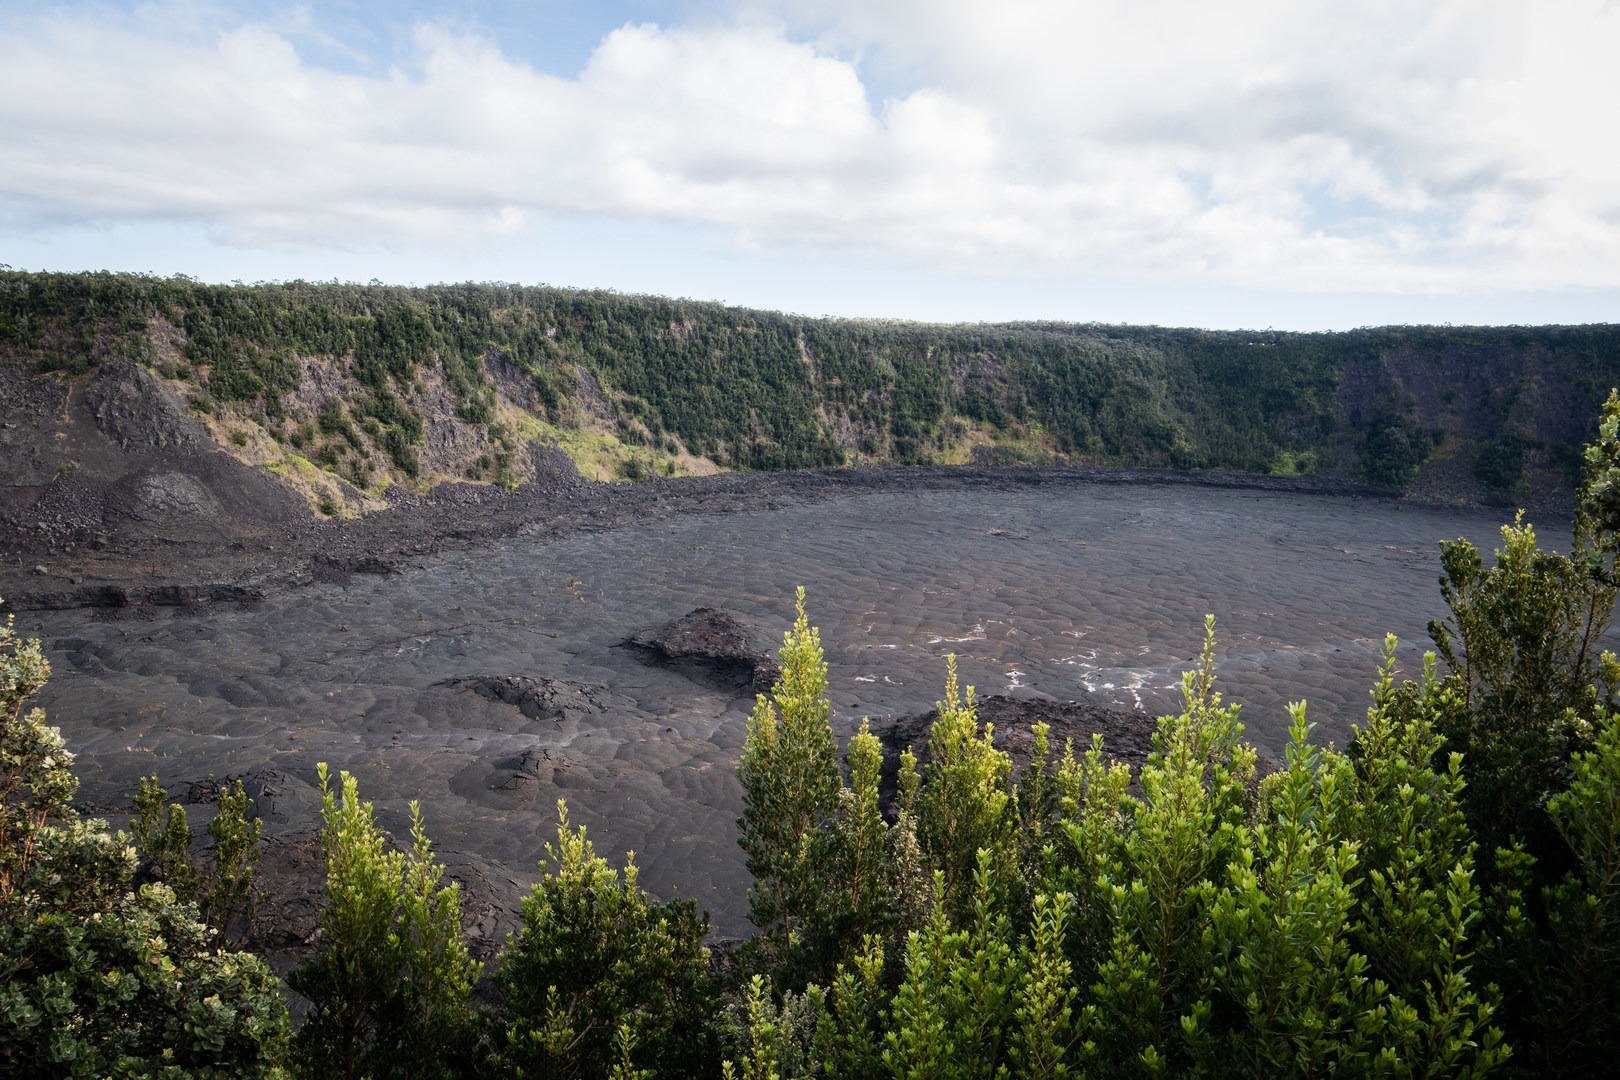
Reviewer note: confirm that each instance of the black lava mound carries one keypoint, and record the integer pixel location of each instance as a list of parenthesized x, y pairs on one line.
[(716, 648), (538, 699)]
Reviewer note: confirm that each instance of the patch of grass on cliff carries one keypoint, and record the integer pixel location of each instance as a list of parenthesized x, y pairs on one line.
[(601, 454), (598, 455), (1294, 463), (975, 443), (961, 451), (318, 488)]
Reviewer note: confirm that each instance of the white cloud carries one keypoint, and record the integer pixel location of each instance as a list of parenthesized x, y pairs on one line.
[(1398, 145)]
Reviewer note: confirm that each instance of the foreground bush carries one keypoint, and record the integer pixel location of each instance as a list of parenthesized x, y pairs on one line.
[(601, 975), (389, 986), (1320, 923), (98, 978)]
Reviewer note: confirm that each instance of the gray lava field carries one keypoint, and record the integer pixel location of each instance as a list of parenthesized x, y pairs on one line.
[(488, 683)]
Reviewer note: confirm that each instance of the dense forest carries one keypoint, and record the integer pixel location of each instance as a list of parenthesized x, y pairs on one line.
[(1441, 898), (364, 386)]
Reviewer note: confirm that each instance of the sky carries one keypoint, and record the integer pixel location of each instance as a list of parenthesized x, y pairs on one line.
[(1294, 164)]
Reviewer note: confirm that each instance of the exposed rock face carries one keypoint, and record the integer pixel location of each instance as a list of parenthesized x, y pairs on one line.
[(137, 410), (512, 382), (717, 648), (341, 567), (448, 442), (160, 496)]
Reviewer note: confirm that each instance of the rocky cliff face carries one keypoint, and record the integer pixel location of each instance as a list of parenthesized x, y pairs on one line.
[(139, 410), (1474, 389), (1508, 415)]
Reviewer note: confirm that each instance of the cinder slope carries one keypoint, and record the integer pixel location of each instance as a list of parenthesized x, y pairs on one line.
[(116, 461)]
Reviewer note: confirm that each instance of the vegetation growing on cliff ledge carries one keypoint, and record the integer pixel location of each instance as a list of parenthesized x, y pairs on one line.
[(379, 384)]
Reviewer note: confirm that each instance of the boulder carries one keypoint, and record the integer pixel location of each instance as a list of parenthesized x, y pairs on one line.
[(715, 647)]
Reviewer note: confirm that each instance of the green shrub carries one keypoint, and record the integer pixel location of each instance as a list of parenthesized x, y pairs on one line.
[(966, 806), (163, 840), (1530, 706), (1498, 463), (222, 887), (1322, 922), (830, 872), (790, 781), (1559, 947), (227, 894), (598, 962), (98, 978), (36, 771), (389, 986), (1521, 643)]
